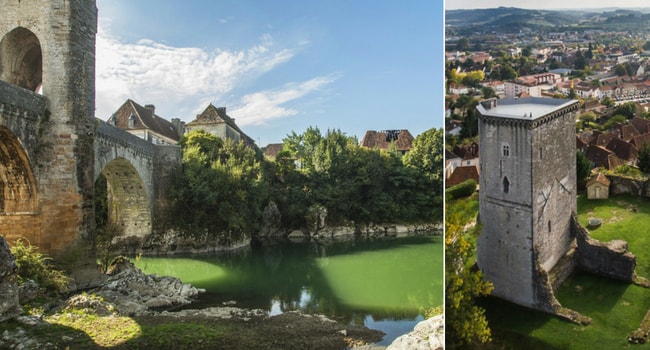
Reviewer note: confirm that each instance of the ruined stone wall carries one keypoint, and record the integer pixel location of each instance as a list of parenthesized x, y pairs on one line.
[(625, 185), (610, 259)]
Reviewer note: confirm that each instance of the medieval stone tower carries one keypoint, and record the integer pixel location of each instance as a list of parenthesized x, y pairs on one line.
[(527, 194), (47, 102)]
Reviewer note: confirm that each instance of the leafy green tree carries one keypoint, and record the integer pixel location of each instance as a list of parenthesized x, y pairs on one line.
[(627, 109), (583, 167), (508, 73), (488, 92), (643, 158), (607, 101), (587, 117), (580, 61), (466, 326), (427, 156), (219, 189), (463, 44)]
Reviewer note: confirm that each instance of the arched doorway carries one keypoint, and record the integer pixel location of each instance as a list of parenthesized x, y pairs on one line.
[(21, 60)]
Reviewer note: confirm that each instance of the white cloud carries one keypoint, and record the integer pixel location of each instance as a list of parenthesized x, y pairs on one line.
[(151, 72), (259, 107), (182, 81)]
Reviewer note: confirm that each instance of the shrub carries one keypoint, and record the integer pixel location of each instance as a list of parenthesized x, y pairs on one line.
[(33, 265), (463, 189)]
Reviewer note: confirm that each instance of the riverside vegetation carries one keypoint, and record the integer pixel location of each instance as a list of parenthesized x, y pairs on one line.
[(223, 189), (230, 190)]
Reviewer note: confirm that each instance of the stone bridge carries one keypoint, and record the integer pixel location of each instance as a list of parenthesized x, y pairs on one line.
[(135, 170), (137, 174), (52, 149)]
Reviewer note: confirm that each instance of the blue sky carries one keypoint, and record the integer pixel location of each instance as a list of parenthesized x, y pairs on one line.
[(278, 66)]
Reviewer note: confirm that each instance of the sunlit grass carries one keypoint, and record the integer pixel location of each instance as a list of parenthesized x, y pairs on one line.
[(105, 331), (616, 308)]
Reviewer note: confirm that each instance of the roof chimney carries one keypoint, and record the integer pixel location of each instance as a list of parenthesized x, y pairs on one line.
[(151, 108)]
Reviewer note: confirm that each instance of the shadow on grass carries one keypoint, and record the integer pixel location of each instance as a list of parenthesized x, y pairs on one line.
[(591, 294), (63, 336), (512, 325)]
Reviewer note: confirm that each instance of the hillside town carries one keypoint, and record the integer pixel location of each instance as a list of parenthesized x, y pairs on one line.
[(608, 72)]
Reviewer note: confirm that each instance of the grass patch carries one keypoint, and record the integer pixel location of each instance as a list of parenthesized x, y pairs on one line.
[(616, 308)]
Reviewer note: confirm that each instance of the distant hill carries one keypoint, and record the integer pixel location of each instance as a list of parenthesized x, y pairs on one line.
[(516, 20)]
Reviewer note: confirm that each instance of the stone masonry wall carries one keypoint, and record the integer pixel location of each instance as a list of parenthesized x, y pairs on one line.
[(611, 259), (65, 30)]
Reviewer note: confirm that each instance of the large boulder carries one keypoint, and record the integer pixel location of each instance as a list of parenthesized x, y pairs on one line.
[(133, 292), (427, 335), (9, 297)]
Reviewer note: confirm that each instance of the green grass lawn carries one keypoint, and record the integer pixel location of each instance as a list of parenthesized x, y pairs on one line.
[(616, 308)]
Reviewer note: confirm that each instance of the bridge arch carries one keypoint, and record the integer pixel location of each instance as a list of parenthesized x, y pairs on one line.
[(19, 209), (21, 59), (127, 200)]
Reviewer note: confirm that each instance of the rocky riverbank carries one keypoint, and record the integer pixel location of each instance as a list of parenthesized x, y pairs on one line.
[(130, 302)]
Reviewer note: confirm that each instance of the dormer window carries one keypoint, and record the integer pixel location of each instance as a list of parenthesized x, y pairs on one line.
[(131, 121)]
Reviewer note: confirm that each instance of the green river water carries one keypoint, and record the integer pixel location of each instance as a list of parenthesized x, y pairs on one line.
[(382, 284)]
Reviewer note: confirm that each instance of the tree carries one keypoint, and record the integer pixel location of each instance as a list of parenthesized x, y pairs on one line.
[(620, 70), (580, 61), (473, 78), (488, 92), (583, 167), (643, 158), (589, 54), (628, 109), (588, 117), (462, 44), (466, 326), (607, 101), (508, 73), (427, 156), (219, 189)]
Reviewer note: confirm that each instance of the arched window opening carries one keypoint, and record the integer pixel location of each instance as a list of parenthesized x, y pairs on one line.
[(21, 59), (506, 185)]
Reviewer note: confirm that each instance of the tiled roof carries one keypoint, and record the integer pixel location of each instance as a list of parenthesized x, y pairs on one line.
[(144, 119), (599, 178), (382, 139), (272, 150), (463, 173), (622, 149)]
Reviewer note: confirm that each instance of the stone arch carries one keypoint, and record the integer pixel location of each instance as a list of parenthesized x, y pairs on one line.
[(127, 200), (21, 59), (18, 190)]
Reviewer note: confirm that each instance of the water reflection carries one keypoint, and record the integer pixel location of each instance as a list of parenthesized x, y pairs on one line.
[(383, 284)]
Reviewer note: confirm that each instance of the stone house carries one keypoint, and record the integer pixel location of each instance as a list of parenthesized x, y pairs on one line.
[(144, 123), (598, 187), (215, 121)]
